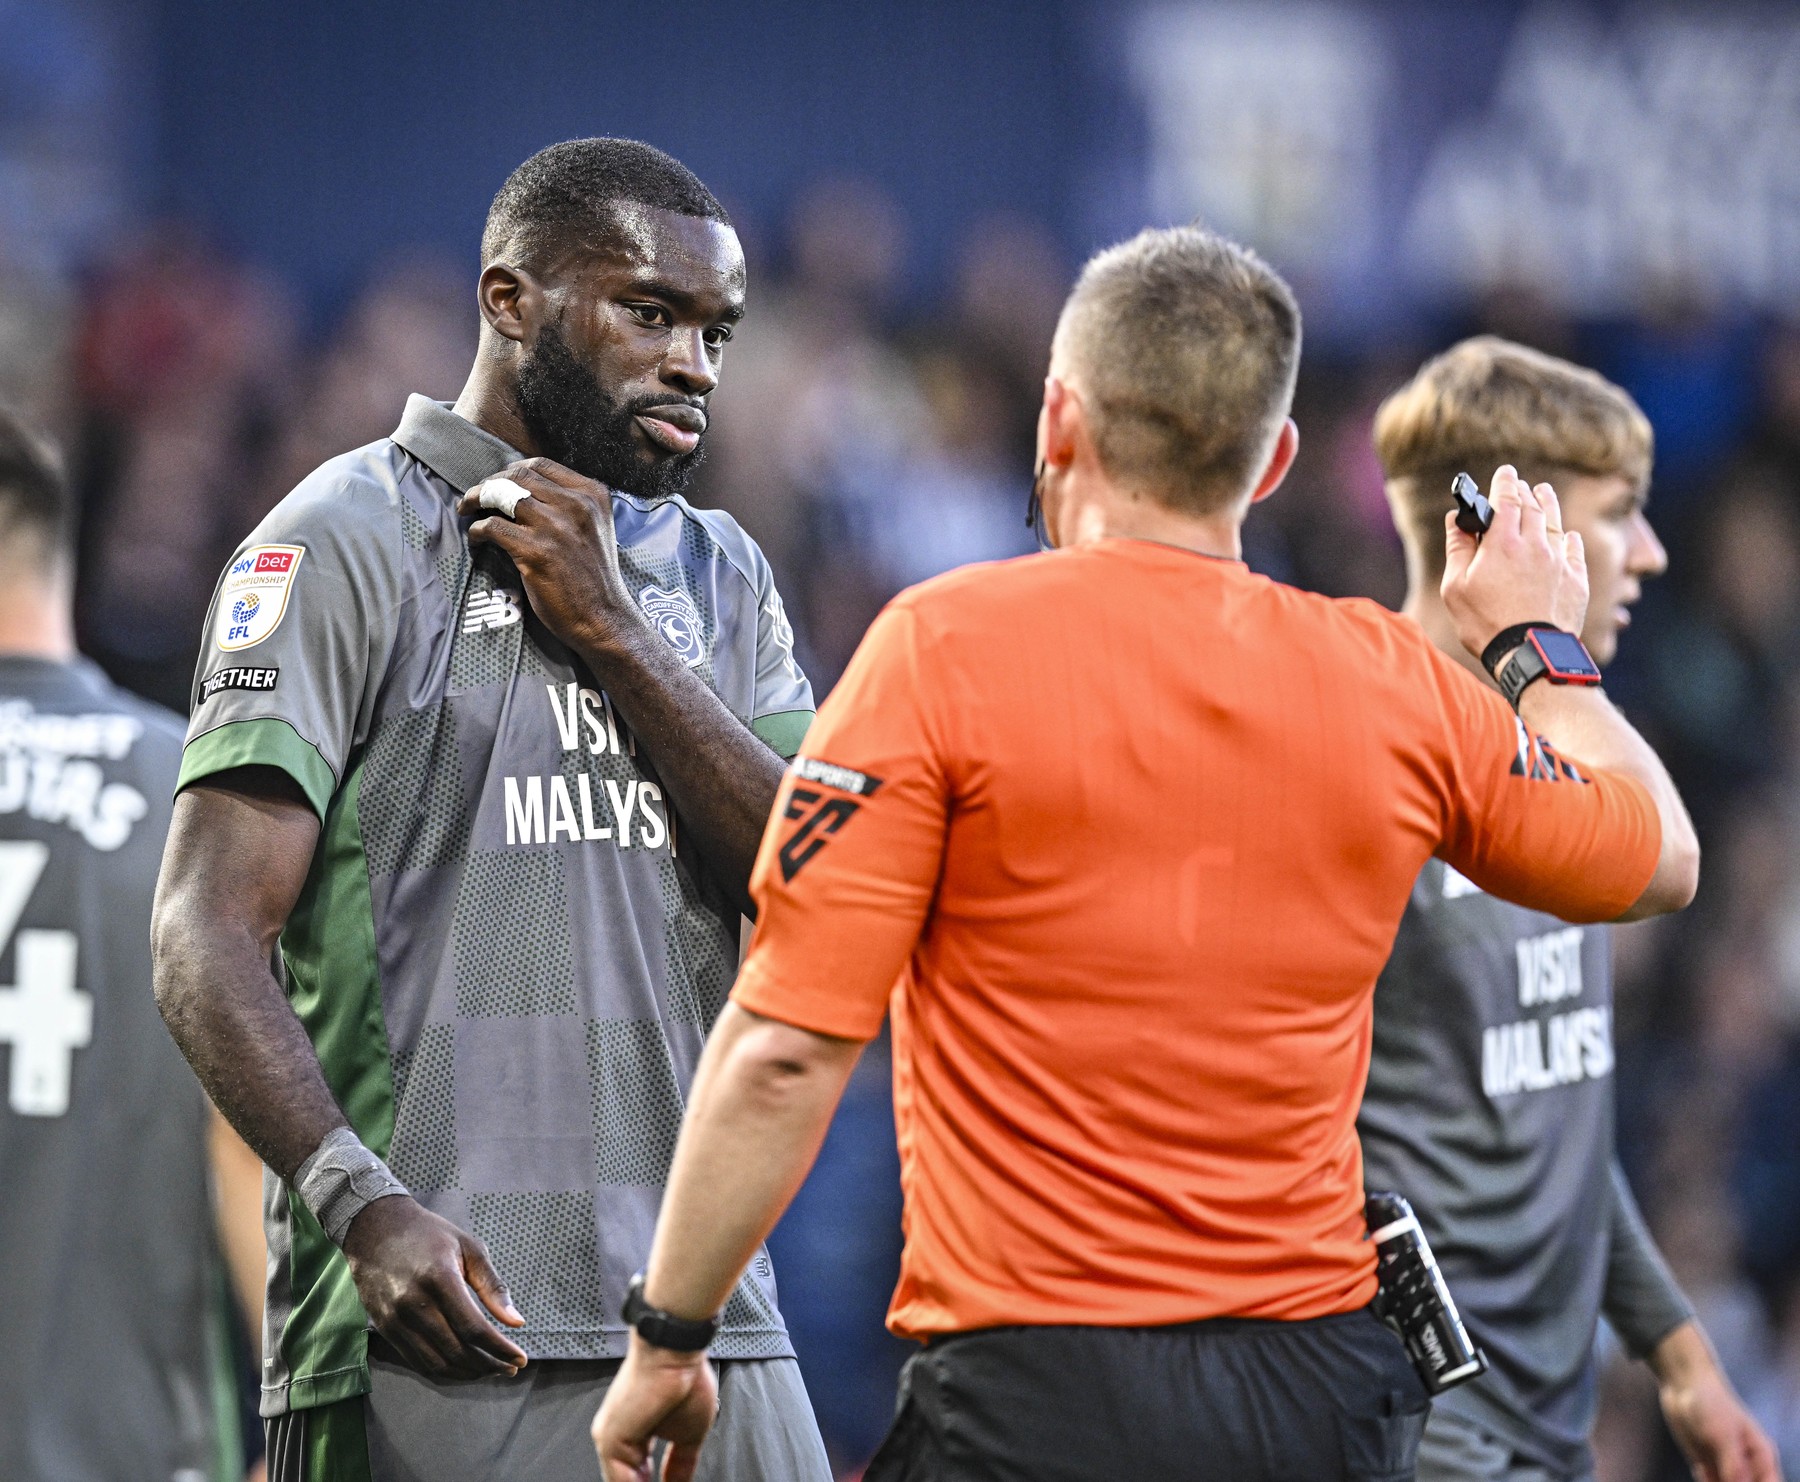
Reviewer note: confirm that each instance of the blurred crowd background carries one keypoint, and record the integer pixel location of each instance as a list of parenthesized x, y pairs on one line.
[(232, 240)]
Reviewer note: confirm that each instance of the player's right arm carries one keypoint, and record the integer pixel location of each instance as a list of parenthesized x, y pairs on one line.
[(1645, 1307), (263, 760), (1611, 842), (214, 933)]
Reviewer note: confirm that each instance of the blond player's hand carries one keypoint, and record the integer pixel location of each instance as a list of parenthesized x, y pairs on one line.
[(1526, 569), (658, 1395), (1717, 1435)]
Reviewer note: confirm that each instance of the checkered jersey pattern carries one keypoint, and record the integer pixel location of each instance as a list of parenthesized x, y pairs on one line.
[(567, 970)]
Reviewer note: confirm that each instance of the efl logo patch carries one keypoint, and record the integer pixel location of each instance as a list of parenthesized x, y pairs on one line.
[(674, 615), (820, 816), (254, 597), (496, 609), (237, 679)]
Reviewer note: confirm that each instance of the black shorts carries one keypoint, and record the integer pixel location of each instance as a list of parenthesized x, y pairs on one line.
[(1329, 1400)]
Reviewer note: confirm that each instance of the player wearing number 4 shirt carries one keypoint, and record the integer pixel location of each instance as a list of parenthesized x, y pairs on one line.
[(1489, 1102), (114, 1216), (491, 756)]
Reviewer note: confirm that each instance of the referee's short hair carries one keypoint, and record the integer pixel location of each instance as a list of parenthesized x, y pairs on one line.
[(34, 493), (1488, 401), (1187, 347), (565, 195)]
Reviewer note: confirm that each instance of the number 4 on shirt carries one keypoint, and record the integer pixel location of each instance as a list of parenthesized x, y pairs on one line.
[(43, 1017)]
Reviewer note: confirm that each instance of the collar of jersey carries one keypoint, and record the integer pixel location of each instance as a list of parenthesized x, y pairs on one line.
[(462, 454), (1141, 542), (456, 450)]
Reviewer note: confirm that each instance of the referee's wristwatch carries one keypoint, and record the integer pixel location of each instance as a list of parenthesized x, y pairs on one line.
[(664, 1329), (1528, 652)]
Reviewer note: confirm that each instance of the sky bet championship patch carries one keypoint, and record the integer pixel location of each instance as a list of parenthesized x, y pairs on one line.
[(255, 595)]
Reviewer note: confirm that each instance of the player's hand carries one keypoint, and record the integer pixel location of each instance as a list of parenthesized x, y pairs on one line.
[(429, 1288), (563, 542), (1526, 569), (1717, 1435), (657, 1395), (1709, 1422)]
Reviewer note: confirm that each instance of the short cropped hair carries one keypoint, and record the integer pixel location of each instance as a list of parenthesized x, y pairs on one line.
[(1187, 346), (34, 494), (1488, 401), (567, 192)]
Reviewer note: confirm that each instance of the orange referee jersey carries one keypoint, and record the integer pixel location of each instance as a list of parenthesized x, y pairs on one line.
[(1122, 836)]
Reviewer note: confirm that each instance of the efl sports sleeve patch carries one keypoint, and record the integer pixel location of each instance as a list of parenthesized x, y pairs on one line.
[(254, 596), (819, 814), (1538, 760)]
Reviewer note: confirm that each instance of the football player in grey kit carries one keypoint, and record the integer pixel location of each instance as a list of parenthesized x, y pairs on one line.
[(487, 773), (120, 1190), (1490, 1102)]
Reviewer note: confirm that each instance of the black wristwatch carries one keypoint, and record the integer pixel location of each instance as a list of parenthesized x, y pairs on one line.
[(1538, 651), (664, 1329)]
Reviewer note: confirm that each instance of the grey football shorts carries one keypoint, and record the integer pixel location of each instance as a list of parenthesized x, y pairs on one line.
[(535, 1425), (1458, 1450)]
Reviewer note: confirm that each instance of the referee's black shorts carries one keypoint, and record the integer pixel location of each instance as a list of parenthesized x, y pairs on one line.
[(1333, 1399)]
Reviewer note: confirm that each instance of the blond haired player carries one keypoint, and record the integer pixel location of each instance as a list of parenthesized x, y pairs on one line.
[(1490, 1100)]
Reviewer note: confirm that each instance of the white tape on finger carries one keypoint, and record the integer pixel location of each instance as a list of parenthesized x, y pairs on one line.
[(503, 495)]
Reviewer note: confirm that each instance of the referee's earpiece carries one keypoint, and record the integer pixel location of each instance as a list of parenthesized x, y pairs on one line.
[(1034, 508)]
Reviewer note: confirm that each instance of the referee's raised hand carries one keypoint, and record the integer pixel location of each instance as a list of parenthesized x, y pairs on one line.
[(558, 528), (429, 1289), (1526, 569)]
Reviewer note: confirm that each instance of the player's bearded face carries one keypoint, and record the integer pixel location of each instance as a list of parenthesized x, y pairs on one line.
[(578, 424)]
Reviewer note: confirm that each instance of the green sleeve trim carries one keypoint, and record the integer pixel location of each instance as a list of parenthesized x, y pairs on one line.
[(334, 985), (784, 730), (260, 743)]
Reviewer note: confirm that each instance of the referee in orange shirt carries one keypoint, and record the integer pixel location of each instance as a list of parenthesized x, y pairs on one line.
[(1121, 835)]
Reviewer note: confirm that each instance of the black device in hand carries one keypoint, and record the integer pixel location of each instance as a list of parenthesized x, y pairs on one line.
[(1473, 512)]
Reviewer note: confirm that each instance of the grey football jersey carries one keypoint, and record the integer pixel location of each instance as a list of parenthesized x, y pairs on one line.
[(115, 1360), (1490, 1107), (507, 954)]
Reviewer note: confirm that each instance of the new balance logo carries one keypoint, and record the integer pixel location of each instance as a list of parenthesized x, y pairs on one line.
[(496, 609), (820, 816)]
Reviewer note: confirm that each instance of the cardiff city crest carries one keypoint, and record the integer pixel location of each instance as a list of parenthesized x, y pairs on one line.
[(674, 615)]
